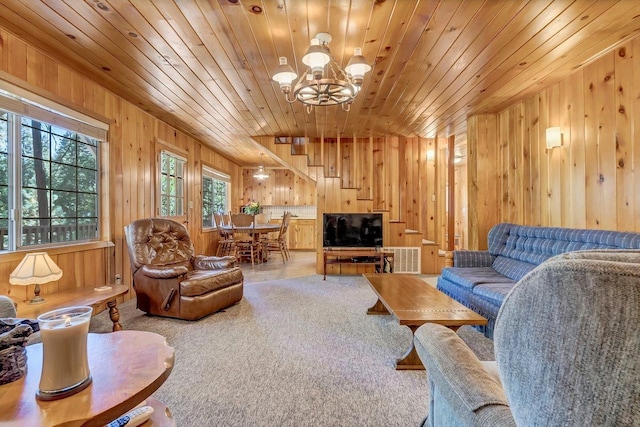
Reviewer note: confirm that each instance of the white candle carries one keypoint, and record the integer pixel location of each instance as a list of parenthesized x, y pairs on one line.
[(64, 339)]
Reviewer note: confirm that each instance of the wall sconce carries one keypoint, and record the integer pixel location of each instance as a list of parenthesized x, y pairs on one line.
[(554, 137), (431, 155)]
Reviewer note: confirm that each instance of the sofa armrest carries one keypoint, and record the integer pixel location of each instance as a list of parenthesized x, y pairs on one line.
[(472, 259), (202, 262), (163, 271), (469, 394)]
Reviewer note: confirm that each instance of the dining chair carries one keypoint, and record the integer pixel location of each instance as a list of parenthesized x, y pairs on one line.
[(263, 218), (247, 246), (279, 244), (226, 245)]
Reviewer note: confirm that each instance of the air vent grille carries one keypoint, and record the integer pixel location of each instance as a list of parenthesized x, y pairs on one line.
[(405, 259)]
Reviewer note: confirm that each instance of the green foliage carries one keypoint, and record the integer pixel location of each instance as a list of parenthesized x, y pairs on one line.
[(59, 181), (214, 199)]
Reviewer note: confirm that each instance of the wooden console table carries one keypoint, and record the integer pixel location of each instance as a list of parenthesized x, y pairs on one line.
[(99, 300), (126, 368), (351, 256)]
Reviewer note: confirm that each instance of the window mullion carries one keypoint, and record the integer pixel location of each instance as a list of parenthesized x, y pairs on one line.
[(15, 183)]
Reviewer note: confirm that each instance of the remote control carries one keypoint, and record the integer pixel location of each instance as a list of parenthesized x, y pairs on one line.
[(133, 418)]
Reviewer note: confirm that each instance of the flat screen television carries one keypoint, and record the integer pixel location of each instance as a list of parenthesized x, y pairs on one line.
[(352, 230)]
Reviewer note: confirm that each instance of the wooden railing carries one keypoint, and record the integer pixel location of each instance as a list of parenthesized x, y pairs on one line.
[(39, 234)]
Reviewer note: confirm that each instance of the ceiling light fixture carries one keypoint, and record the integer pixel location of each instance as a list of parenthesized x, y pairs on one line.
[(317, 88), (261, 174)]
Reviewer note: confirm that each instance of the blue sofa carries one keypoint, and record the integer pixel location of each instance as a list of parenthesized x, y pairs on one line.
[(482, 279)]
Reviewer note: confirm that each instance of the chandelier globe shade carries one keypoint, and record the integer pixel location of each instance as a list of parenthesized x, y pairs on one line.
[(357, 67), (317, 57), (284, 75), (324, 82)]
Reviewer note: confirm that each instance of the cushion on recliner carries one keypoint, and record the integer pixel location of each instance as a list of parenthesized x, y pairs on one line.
[(164, 271), (158, 241), (200, 282)]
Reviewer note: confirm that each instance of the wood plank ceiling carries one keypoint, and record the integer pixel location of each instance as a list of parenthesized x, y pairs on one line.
[(204, 66)]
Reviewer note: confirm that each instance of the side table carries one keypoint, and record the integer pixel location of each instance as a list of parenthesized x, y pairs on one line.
[(99, 300), (126, 367)]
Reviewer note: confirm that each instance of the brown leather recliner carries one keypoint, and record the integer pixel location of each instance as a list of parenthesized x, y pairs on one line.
[(170, 281)]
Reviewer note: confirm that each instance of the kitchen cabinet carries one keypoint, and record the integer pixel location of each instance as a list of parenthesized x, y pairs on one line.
[(302, 234)]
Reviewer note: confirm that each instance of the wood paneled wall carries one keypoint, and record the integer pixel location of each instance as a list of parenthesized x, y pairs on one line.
[(403, 178), (133, 141), (591, 181), (283, 187)]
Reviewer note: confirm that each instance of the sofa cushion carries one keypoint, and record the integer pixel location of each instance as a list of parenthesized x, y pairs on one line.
[(494, 292), (536, 244), (200, 282), (513, 269), (469, 277)]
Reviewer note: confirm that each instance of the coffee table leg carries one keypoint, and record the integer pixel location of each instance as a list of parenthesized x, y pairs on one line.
[(378, 308), (410, 360), (114, 315)]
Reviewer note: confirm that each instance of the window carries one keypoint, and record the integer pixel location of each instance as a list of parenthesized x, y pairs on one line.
[(49, 185), (215, 195), (172, 184)]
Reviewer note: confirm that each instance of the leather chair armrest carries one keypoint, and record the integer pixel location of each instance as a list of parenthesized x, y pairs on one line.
[(460, 378), (163, 271), (203, 262)]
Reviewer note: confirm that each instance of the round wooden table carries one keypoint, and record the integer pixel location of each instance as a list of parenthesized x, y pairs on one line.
[(126, 367), (256, 231)]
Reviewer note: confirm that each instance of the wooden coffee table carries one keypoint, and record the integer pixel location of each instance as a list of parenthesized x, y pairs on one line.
[(413, 303), (126, 368), (99, 300)]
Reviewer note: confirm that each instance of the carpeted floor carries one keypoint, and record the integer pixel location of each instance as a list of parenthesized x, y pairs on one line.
[(295, 352)]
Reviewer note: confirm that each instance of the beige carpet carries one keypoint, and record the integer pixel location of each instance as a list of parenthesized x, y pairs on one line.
[(295, 352)]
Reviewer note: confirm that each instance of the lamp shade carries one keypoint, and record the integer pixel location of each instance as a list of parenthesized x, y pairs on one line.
[(284, 74), (36, 268), (316, 55), (357, 66)]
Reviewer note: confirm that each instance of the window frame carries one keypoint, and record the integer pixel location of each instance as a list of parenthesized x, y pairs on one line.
[(209, 172), (159, 191), (19, 104)]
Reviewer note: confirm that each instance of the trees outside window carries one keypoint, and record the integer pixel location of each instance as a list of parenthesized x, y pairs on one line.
[(172, 184), (215, 195), (48, 183)]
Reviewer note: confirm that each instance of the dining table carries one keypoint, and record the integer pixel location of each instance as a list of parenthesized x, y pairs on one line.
[(255, 231)]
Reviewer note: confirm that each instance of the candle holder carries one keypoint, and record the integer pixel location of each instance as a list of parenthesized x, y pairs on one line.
[(65, 364)]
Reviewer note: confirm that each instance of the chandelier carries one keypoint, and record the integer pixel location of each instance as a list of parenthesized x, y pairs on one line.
[(261, 174), (317, 88)]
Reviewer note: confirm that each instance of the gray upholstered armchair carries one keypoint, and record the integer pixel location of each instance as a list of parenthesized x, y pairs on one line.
[(576, 365), (170, 280)]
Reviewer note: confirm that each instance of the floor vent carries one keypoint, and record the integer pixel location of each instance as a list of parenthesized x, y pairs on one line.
[(405, 260)]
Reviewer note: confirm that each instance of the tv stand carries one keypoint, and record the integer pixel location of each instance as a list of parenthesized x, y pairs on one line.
[(355, 256)]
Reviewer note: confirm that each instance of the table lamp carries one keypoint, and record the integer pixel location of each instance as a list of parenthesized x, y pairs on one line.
[(35, 268)]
